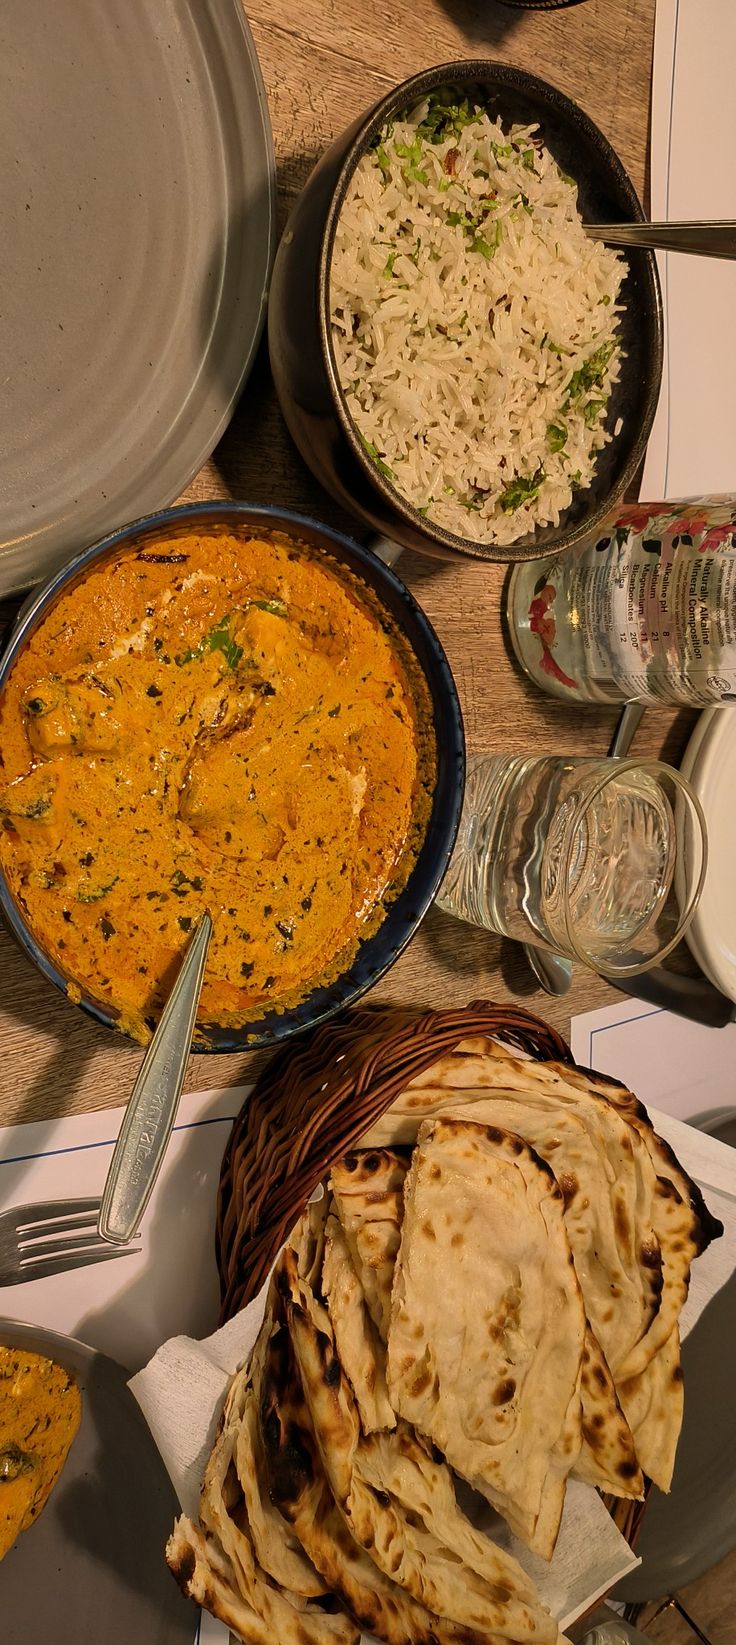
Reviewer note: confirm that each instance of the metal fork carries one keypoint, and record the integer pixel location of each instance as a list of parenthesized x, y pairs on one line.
[(51, 1237)]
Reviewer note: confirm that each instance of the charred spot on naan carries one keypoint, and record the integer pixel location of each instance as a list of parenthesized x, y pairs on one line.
[(707, 1227), (182, 1567), (291, 1459)]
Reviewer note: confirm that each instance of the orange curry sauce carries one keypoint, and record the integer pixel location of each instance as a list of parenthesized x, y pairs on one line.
[(211, 722)]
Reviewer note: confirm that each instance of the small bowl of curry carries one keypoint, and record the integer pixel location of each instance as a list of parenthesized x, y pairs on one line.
[(232, 709)]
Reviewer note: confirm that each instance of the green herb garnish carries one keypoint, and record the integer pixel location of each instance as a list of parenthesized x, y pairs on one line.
[(447, 116), (590, 374), (592, 412), (521, 490), (527, 159), (488, 246), (179, 878), (556, 436), (413, 153), (389, 265), (37, 808), (217, 640), (89, 892), (276, 607), (383, 468)]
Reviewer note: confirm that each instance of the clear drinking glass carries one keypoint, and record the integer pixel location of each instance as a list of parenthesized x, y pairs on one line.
[(601, 860)]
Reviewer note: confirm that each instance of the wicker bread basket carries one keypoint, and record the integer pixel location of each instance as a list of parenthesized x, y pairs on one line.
[(315, 1101)]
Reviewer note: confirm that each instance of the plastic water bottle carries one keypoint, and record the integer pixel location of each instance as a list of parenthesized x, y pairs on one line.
[(645, 610)]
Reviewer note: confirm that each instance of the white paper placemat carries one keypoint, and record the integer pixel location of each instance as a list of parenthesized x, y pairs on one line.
[(682, 1067), (693, 176), (127, 1308)]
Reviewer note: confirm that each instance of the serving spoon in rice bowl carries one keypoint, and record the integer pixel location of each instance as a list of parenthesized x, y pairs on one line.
[(707, 239)]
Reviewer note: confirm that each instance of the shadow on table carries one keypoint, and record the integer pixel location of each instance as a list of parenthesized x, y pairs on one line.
[(471, 951), (66, 1042), (255, 458), (484, 22)]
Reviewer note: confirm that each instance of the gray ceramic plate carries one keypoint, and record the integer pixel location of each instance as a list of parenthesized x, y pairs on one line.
[(137, 210), (92, 1567), (685, 1534)]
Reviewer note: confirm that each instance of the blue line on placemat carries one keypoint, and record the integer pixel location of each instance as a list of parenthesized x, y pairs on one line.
[(621, 1023), (109, 1142)]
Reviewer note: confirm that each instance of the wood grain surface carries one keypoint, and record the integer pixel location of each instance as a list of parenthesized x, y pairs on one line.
[(710, 1603), (323, 63)]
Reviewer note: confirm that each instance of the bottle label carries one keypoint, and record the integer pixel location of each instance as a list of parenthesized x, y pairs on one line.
[(648, 611)]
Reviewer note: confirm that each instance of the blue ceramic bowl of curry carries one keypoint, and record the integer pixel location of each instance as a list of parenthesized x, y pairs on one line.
[(230, 708)]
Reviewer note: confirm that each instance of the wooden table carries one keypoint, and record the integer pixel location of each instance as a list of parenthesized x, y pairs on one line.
[(323, 62)]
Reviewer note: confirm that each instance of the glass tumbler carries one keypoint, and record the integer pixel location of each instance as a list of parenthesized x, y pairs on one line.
[(602, 860)]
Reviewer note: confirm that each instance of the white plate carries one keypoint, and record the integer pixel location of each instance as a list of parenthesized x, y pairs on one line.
[(91, 1570), (137, 211), (709, 763)]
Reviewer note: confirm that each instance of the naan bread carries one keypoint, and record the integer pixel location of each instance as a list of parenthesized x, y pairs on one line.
[(681, 1223), (368, 1189), (205, 1575), (706, 1227), (608, 1457), (300, 1489), (606, 1178), (655, 1403), (277, 1550), (435, 1558), (633, 1233), (361, 1351), (491, 1374), (291, 1619)]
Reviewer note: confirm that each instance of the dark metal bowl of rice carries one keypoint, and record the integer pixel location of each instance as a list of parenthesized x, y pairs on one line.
[(301, 339)]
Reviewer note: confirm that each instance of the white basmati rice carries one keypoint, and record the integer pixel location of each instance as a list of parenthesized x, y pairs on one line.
[(474, 323)]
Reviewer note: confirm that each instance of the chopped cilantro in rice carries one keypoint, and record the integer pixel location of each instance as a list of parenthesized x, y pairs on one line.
[(475, 325)]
